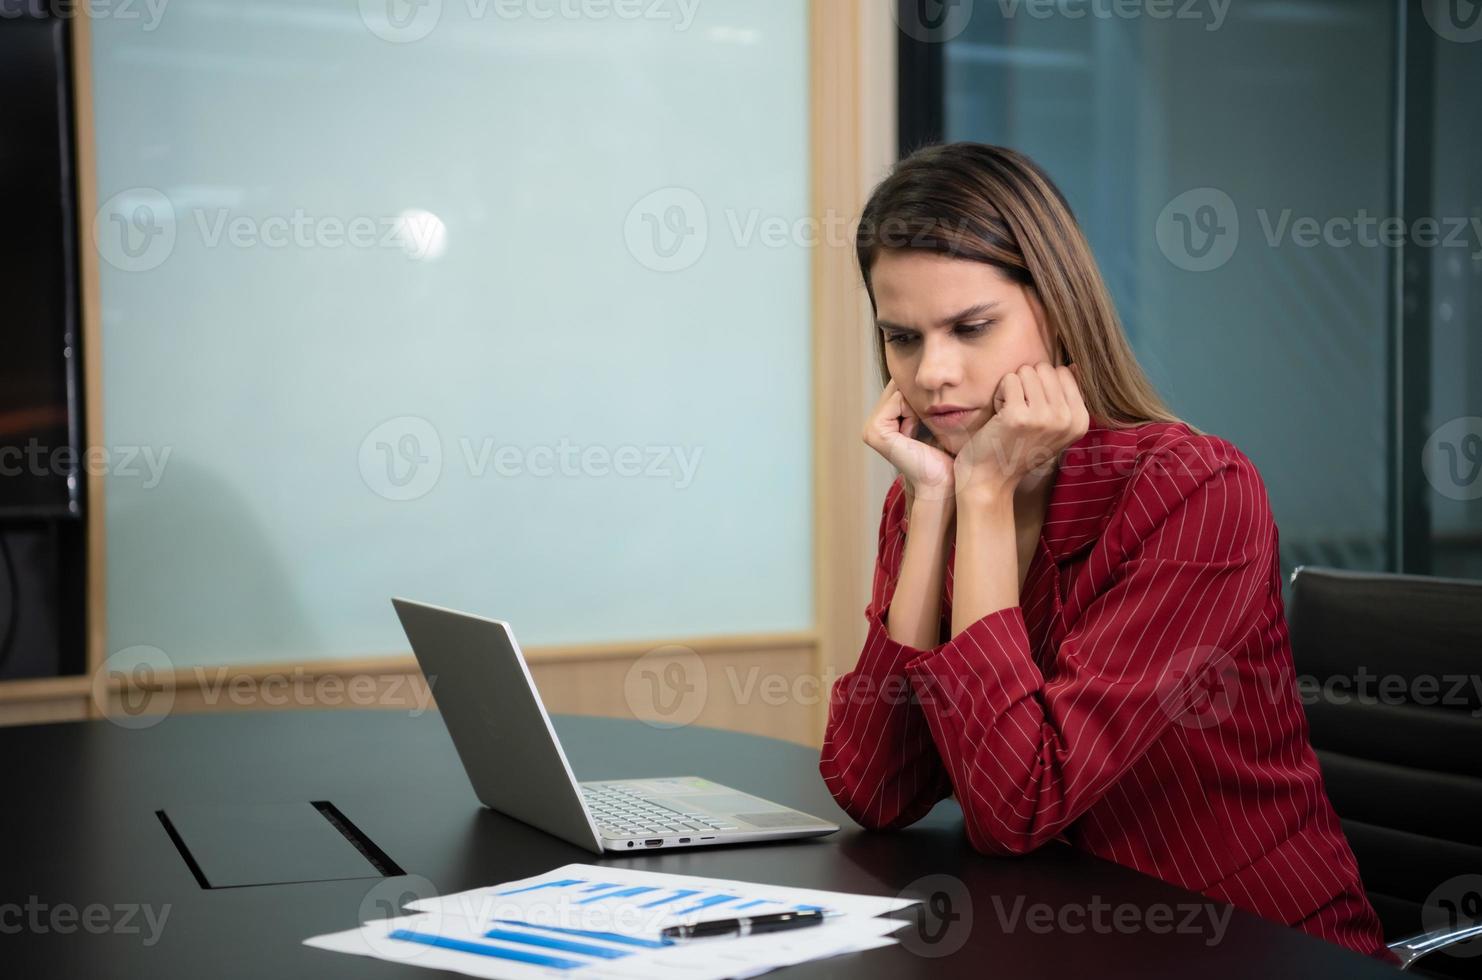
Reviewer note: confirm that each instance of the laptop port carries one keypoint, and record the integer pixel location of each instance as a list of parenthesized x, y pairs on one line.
[(654, 842), (684, 840)]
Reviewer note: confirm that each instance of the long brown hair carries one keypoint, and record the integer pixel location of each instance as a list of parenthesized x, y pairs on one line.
[(992, 204)]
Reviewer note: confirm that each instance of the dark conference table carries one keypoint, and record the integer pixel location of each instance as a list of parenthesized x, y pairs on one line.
[(98, 888)]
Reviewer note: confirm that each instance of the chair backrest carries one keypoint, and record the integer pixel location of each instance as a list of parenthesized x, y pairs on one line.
[(1390, 669)]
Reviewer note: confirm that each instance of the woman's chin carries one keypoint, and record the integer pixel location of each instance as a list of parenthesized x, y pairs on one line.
[(952, 443)]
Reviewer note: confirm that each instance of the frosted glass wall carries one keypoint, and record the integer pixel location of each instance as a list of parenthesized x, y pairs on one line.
[(487, 304)]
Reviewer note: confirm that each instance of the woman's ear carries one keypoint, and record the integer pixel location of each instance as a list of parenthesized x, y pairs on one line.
[(1059, 353)]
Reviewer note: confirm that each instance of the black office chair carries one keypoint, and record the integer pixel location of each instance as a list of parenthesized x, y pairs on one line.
[(1401, 754)]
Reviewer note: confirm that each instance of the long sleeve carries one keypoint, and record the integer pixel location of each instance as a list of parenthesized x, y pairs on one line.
[(878, 758), (1029, 754)]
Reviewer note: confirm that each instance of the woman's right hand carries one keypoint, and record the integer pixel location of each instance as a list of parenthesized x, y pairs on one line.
[(890, 432)]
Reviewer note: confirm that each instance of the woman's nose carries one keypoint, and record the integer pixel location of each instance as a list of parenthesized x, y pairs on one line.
[(940, 366)]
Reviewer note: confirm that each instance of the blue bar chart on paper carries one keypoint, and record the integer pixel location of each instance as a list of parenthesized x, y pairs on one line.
[(597, 921)]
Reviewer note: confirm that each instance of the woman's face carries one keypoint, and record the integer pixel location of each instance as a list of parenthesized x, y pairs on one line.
[(953, 328)]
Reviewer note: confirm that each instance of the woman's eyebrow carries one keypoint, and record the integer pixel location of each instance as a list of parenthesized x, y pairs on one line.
[(972, 311)]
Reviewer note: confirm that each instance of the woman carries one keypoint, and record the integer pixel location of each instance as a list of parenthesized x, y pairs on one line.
[(1076, 625)]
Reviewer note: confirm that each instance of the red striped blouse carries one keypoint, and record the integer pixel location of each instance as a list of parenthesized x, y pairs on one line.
[(1139, 703)]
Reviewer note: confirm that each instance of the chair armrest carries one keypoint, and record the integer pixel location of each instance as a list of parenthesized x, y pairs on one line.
[(1411, 949)]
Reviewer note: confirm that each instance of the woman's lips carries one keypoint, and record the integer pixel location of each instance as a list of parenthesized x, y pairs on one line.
[(952, 420)]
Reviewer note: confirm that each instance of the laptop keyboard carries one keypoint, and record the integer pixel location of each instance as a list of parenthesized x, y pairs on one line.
[(622, 813)]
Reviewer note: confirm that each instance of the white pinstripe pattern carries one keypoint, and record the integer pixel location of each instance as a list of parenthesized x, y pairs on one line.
[(1060, 717)]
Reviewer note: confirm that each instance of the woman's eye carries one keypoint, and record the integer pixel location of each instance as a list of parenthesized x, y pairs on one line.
[(973, 329), (900, 339)]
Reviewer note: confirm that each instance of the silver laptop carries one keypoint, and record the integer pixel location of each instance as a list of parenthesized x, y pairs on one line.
[(516, 765)]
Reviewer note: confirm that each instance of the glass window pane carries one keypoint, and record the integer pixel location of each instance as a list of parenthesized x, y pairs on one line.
[(482, 310), (1200, 153), (1454, 449)]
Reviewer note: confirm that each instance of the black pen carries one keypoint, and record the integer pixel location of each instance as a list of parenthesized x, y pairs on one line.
[(747, 925)]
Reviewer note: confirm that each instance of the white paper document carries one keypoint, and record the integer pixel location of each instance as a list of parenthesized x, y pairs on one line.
[(589, 921)]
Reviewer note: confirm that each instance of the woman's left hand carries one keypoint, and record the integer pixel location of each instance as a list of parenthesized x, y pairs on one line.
[(1037, 412)]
